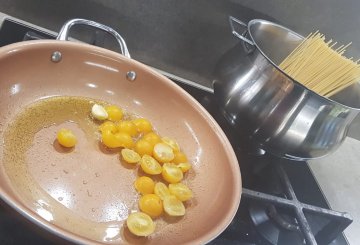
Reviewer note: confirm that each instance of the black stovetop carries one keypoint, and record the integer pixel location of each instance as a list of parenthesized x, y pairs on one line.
[(264, 178)]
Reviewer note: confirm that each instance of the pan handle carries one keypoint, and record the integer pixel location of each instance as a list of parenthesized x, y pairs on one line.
[(64, 32)]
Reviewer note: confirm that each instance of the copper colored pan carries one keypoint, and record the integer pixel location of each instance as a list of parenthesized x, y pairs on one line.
[(86, 195)]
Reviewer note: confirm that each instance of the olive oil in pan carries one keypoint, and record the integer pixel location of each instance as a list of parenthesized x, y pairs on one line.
[(19, 138)]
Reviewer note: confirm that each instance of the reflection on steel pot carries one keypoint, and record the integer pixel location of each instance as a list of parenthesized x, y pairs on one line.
[(276, 112)]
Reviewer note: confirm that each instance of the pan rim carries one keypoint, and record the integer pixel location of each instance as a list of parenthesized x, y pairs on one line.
[(234, 164)]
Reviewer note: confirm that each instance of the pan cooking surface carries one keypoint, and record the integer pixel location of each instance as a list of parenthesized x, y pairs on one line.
[(84, 190), (85, 195)]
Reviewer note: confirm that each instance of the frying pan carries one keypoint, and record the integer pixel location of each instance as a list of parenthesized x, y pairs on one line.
[(86, 195)]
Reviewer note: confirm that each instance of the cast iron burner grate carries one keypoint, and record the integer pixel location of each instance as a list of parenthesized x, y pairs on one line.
[(273, 224)]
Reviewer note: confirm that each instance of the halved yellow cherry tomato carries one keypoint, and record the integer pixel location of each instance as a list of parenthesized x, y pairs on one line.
[(171, 173), (171, 142), (173, 206), (181, 191), (127, 127), (140, 224), (143, 125), (130, 156), (143, 147), (152, 138), (151, 204), (108, 126), (144, 185), (179, 157), (66, 138), (115, 113), (184, 166), (161, 190), (149, 165), (163, 152)]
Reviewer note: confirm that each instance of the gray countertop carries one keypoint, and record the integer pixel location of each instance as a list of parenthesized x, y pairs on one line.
[(339, 178)]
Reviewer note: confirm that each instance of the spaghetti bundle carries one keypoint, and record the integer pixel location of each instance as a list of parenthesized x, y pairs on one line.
[(320, 67)]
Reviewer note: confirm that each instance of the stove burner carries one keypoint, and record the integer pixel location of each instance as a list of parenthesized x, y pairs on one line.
[(279, 219), (276, 226)]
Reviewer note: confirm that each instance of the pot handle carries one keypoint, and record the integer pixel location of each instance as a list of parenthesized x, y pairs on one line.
[(64, 32), (232, 21), (248, 45)]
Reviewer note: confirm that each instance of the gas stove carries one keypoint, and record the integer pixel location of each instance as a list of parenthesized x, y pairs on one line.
[(281, 200)]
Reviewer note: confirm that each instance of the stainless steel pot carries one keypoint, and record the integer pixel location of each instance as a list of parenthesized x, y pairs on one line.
[(279, 114)]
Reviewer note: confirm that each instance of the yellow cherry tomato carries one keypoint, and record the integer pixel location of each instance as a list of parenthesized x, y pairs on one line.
[(179, 157), (152, 138), (143, 147), (171, 142), (108, 126), (66, 138), (171, 173), (142, 125), (173, 206), (124, 140), (109, 139), (116, 140), (130, 156), (144, 185), (140, 224), (115, 113), (149, 165), (161, 190), (184, 166), (163, 152), (127, 127), (151, 204), (181, 191)]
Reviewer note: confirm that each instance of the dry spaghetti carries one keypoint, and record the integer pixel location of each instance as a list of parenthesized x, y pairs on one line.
[(320, 67)]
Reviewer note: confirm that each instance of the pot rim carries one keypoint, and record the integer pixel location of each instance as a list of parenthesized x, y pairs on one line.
[(253, 22)]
